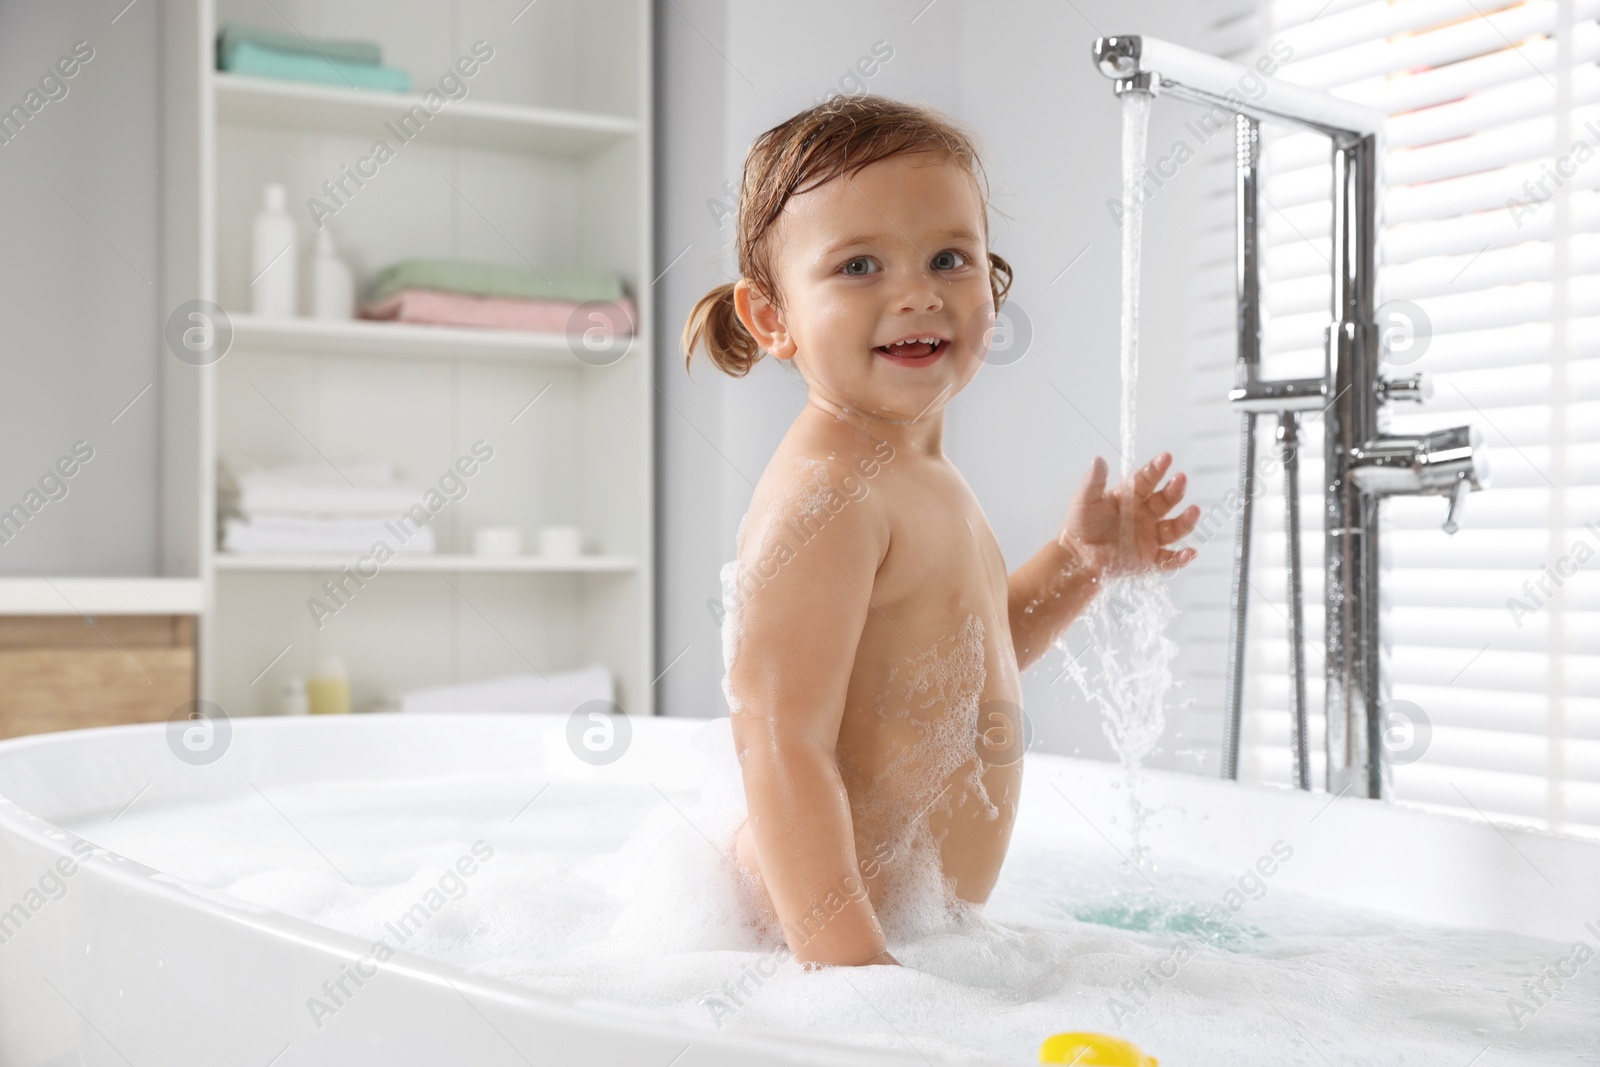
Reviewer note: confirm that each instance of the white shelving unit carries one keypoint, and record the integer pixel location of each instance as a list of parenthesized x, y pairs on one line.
[(396, 341), (304, 108), (323, 564), (101, 596), (545, 161)]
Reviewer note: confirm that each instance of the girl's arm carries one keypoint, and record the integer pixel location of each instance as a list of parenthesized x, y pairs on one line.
[(1057, 584), (1120, 531), (804, 605)]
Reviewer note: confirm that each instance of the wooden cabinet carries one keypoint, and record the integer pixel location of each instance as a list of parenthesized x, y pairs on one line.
[(64, 672)]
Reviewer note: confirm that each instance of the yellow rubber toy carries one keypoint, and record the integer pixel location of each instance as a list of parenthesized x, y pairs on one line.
[(1093, 1050)]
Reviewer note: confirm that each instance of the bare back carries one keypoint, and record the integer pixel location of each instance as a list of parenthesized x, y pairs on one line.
[(933, 674)]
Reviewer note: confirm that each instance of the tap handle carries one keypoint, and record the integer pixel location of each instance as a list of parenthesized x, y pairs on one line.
[(1417, 388), (1458, 497)]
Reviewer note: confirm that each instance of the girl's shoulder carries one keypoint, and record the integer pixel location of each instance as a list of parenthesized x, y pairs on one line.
[(803, 490)]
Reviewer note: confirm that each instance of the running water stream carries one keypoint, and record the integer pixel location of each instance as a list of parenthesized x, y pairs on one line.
[(1127, 622), (1135, 138)]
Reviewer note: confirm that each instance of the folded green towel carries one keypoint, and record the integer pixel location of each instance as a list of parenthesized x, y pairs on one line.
[(577, 284), (233, 34), (247, 58)]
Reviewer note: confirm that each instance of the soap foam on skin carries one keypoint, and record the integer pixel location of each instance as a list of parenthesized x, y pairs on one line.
[(609, 892), (938, 692), (952, 685), (809, 501), (732, 630), (812, 499)]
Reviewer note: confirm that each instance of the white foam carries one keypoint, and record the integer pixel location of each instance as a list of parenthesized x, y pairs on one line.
[(949, 679), (616, 893), (811, 498)]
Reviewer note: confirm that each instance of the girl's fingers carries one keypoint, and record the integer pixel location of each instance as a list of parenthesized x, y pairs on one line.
[(1093, 486), (1147, 477), (1168, 560), (1169, 530), (1168, 496)]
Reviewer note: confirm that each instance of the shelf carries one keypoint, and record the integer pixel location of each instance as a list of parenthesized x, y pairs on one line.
[(550, 162), (100, 596), (308, 108), (313, 563), (365, 337)]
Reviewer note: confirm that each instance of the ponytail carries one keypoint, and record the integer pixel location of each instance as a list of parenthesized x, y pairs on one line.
[(715, 323), (1000, 277)]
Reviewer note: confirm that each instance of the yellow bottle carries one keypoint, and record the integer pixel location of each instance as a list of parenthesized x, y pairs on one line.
[(328, 690), (1093, 1050)]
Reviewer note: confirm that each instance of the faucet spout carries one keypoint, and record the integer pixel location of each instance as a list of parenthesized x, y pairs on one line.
[(1217, 83), (1361, 464)]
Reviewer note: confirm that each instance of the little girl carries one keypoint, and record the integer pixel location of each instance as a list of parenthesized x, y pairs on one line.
[(876, 638)]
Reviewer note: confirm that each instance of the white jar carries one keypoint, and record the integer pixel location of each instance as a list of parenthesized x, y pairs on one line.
[(560, 542), (499, 542)]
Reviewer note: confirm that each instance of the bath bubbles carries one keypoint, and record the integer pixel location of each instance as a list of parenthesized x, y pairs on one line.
[(620, 893)]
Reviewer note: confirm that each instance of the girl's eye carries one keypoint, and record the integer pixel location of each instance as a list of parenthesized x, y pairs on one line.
[(854, 262), (951, 266)]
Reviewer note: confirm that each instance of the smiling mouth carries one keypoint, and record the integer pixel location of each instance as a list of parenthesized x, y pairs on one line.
[(914, 351)]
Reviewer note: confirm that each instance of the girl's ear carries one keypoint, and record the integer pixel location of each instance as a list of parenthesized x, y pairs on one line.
[(763, 319)]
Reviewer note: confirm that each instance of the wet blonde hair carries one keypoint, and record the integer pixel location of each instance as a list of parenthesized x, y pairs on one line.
[(836, 138)]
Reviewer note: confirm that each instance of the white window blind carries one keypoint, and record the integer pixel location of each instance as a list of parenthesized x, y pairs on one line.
[(1489, 104)]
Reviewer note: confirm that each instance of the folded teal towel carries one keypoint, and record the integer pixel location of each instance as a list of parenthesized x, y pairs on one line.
[(577, 284), (233, 34), (252, 59)]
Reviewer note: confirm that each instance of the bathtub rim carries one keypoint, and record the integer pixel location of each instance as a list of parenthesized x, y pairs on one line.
[(141, 880), (130, 875)]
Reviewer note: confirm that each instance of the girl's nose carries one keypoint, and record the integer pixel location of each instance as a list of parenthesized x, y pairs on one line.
[(922, 296)]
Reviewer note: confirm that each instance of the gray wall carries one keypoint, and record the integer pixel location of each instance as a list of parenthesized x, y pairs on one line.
[(81, 318), (78, 307), (1018, 75)]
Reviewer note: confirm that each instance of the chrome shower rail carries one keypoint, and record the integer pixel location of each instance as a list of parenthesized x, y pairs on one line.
[(1361, 464)]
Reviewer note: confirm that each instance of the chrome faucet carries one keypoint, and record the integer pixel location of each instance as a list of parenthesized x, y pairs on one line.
[(1361, 464)]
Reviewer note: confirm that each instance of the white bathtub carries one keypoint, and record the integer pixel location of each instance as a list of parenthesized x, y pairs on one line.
[(125, 965)]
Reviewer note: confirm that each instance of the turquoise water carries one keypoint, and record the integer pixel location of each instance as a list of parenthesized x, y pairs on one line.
[(1176, 919)]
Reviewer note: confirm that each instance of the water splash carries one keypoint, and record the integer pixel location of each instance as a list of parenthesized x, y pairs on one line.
[(1126, 626), (1127, 622)]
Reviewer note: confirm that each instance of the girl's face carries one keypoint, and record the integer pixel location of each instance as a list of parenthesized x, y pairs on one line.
[(894, 252)]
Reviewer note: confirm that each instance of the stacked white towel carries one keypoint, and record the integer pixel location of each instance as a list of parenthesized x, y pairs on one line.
[(310, 507)]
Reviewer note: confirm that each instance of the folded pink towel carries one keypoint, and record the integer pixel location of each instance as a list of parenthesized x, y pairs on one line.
[(440, 308)]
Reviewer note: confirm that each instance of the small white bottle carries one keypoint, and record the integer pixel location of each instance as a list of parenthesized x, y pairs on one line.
[(273, 257), (292, 699), (333, 290)]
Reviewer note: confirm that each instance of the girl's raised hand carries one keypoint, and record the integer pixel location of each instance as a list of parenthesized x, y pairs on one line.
[(1122, 530)]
